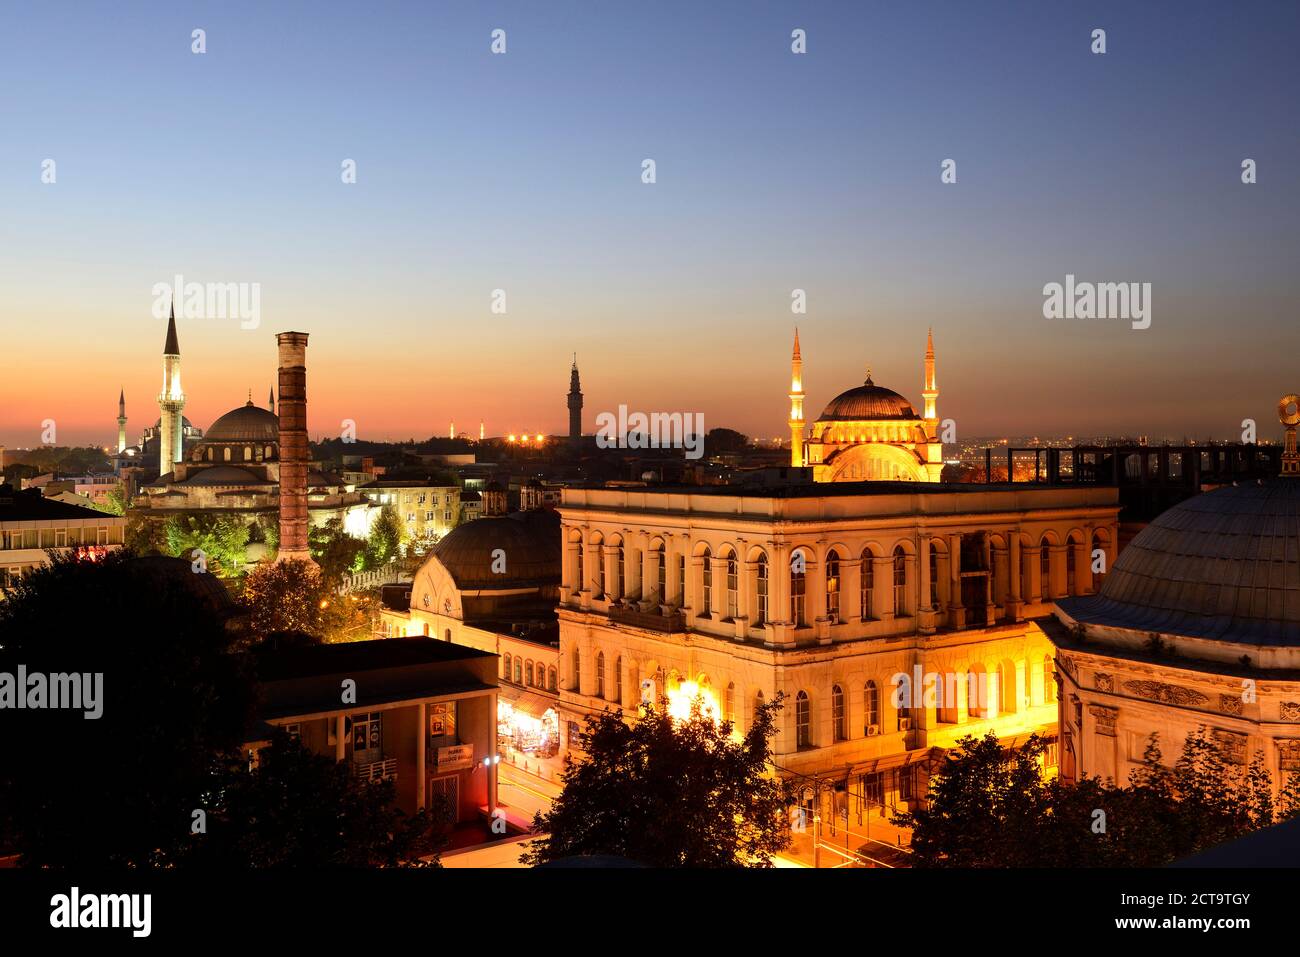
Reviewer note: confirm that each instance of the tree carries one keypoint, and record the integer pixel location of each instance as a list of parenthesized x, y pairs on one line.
[(335, 551), (117, 790), (298, 809), (115, 502), (668, 793), (222, 539), (284, 597), (386, 536), (717, 441)]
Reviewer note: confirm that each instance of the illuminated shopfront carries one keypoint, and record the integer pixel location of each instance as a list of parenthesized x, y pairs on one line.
[(530, 726)]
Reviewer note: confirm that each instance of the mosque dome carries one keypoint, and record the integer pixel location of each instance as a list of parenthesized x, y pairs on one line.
[(1223, 565), (529, 543), (867, 402), (248, 423)]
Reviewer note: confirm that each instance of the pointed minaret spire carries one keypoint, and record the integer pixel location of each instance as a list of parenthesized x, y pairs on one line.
[(931, 390), (121, 402), (121, 421), (796, 405), (575, 406), (172, 346), (271, 399)]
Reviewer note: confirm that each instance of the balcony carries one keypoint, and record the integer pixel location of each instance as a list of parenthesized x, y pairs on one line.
[(384, 769), (649, 620)]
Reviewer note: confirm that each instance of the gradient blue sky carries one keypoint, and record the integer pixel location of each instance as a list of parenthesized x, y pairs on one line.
[(775, 171)]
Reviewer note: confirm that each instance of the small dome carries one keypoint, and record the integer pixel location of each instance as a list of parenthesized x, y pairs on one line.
[(185, 423), (1223, 565), (529, 543), (223, 475), (248, 423), (868, 401)]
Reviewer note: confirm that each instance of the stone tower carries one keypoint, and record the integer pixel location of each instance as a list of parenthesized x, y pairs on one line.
[(931, 391), (796, 406), (121, 422), (171, 401), (294, 452), (575, 405)]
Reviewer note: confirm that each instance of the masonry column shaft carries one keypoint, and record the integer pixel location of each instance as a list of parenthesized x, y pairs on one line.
[(294, 453)]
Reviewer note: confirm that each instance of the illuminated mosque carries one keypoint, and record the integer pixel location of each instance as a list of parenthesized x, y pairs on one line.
[(868, 433)]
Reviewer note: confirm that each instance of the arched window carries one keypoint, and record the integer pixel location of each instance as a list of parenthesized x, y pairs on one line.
[(618, 679), (226, 453), (582, 581), (868, 583), (620, 569), (1049, 680), (900, 581), (871, 707), (934, 575), (528, 674), (837, 713), (600, 570), (248, 454), (577, 671), (833, 586), (706, 583), (600, 674), (447, 634), (505, 671), (1070, 549), (761, 589), (729, 702), (680, 598), (519, 671), (550, 679), (654, 591), (1045, 568), (758, 701), (802, 720), (208, 453), (733, 584), (798, 590), (269, 453)]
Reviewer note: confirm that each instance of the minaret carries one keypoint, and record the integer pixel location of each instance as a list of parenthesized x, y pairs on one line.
[(121, 422), (294, 451), (931, 391), (451, 429), (271, 399), (171, 401), (575, 406), (481, 433), (796, 406)]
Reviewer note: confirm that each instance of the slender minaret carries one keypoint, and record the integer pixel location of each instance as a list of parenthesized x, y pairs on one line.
[(931, 391), (796, 405), (481, 433), (575, 405), (294, 453), (121, 422), (451, 429), (171, 401), (270, 398)]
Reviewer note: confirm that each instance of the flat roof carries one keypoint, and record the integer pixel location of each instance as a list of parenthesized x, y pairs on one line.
[(358, 656)]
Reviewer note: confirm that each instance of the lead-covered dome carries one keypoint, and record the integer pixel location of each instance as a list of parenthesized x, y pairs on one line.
[(529, 555), (868, 401), (1224, 565), (248, 423)]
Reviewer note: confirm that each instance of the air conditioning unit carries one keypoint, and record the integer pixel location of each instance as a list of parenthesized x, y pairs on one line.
[(872, 731), (904, 724)]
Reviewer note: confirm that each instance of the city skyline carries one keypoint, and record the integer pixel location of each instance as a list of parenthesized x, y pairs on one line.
[(775, 172)]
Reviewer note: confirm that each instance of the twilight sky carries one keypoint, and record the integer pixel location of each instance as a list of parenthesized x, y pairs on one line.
[(775, 171)]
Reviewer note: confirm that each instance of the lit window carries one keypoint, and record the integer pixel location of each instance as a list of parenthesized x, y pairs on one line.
[(871, 706), (837, 712), (833, 587), (803, 720)]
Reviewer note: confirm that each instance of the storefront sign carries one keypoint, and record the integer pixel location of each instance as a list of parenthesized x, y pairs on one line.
[(456, 757)]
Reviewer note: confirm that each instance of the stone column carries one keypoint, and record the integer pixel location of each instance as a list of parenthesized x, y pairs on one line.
[(672, 586), (591, 558), (883, 588), (609, 555), (1015, 577), (956, 610), (294, 452), (851, 590), (926, 612)]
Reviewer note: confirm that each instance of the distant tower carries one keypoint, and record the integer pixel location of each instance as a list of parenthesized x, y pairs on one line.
[(271, 400), (796, 405), (294, 452), (931, 391), (121, 422), (481, 433), (171, 401), (451, 429), (575, 405)]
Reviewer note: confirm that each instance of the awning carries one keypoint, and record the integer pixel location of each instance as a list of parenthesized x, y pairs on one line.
[(530, 702)]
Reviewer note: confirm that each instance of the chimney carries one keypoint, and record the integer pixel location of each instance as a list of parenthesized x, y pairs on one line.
[(294, 455)]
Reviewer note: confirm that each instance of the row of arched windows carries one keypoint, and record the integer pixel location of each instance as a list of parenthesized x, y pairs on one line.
[(227, 453), (523, 671)]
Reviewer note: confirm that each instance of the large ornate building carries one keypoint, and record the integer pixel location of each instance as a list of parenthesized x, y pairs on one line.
[(868, 433), (827, 594), (1197, 624)]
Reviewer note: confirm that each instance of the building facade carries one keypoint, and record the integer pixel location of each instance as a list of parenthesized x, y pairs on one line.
[(826, 596), (31, 526)]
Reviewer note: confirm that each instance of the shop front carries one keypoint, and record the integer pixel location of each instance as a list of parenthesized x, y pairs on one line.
[(528, 724)]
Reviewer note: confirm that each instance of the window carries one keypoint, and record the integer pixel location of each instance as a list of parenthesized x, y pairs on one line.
[(798, 595), (660, 594), (873, 791), (528, 674), (1069, 568), (618, 679), (1049, 680), (446, 517), (837, 712), (868, 584), (871, 706), (600, 572), (577, 671), (620, 572), (681, 580), (833, 587), (294, 731), (900, 581), (934, 575), (761, 587), (600, 674), (550, 679), (706, 584), (906, 783), (802, 720), (1045, 569), (582, 582), (428, 515), (519, 671), (729, 702), (732, 584)]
